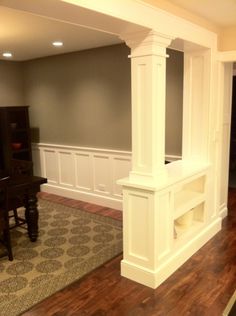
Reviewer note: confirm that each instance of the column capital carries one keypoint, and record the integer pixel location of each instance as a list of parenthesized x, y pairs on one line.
[(148, 42)]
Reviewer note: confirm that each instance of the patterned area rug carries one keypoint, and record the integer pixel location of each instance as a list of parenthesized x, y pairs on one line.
[(71, 243)]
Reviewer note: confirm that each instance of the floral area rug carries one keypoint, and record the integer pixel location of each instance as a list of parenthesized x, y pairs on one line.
[(71, 243)]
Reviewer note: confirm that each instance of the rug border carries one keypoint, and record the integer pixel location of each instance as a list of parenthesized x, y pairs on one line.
[(114, 221)]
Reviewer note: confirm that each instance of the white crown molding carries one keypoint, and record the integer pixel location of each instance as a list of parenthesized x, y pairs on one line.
[(229, 56)]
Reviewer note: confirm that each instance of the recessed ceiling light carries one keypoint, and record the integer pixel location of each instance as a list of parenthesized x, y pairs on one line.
[(57, 43), (7, 54)]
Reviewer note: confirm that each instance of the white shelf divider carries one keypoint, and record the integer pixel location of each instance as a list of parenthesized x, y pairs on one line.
[(183, 231), (185, 200)]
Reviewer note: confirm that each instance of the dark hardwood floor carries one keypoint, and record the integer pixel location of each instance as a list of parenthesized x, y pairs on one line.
[(202, 286)]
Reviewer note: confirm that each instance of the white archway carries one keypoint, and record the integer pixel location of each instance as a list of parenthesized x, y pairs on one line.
[(170, 211)]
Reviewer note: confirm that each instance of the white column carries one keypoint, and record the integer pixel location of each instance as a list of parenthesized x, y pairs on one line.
[(148, 69), (147, 225)]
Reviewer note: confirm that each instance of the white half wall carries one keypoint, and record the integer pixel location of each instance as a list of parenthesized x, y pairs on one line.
[(87, 174)]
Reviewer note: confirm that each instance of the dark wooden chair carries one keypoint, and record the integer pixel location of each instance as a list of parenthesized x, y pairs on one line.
[(4, 219), (19, 167)]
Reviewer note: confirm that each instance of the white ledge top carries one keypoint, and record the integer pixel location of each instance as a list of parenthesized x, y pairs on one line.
[(176, 171)]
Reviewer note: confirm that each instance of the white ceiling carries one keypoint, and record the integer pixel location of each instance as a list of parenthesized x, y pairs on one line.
[(30, 36), (220, 12)]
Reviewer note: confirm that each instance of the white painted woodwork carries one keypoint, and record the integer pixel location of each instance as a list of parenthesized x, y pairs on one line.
[(50, 166), (227, 56), (102, 180), (174, 213), (84, 171), (148, 67), (86, 174), (196, 105), (164, 225), (66, 168), (120, 168), (140, 208), (227, 75), (171, 158)]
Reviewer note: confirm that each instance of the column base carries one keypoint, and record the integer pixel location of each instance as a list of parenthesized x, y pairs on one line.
[(153, 278), (149, 179)]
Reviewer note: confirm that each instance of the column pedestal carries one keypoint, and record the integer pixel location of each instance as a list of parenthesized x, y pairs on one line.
[(145, 226)]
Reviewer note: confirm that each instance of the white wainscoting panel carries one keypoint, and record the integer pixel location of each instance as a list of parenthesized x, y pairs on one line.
[(102, 174), (121, 168), (87, 174), (50, 165), (66, 168), (84, 171)]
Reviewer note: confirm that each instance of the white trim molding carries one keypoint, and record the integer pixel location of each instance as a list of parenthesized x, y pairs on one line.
[(87, 174), (170, 158), (227, 56), (223, 210)]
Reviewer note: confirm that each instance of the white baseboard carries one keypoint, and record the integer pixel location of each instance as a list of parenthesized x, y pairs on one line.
[(83, 196), (223, 211)]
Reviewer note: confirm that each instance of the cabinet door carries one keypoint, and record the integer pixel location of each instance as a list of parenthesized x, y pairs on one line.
[(19, 131), (14, 136)]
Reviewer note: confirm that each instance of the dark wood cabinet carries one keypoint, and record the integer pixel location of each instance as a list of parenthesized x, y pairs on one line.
[(15, 142)]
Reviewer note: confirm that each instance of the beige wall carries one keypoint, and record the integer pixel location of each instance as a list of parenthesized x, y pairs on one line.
[(11, 83), (174, 102), (84, 98)]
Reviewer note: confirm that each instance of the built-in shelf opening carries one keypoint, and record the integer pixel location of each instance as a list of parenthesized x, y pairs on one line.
[(196, 185), (189, 206), (188, 196), (189, 221)]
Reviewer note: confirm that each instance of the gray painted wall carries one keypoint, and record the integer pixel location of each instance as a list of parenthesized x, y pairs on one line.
[(174, 102), (11, 83), (84, 98)]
